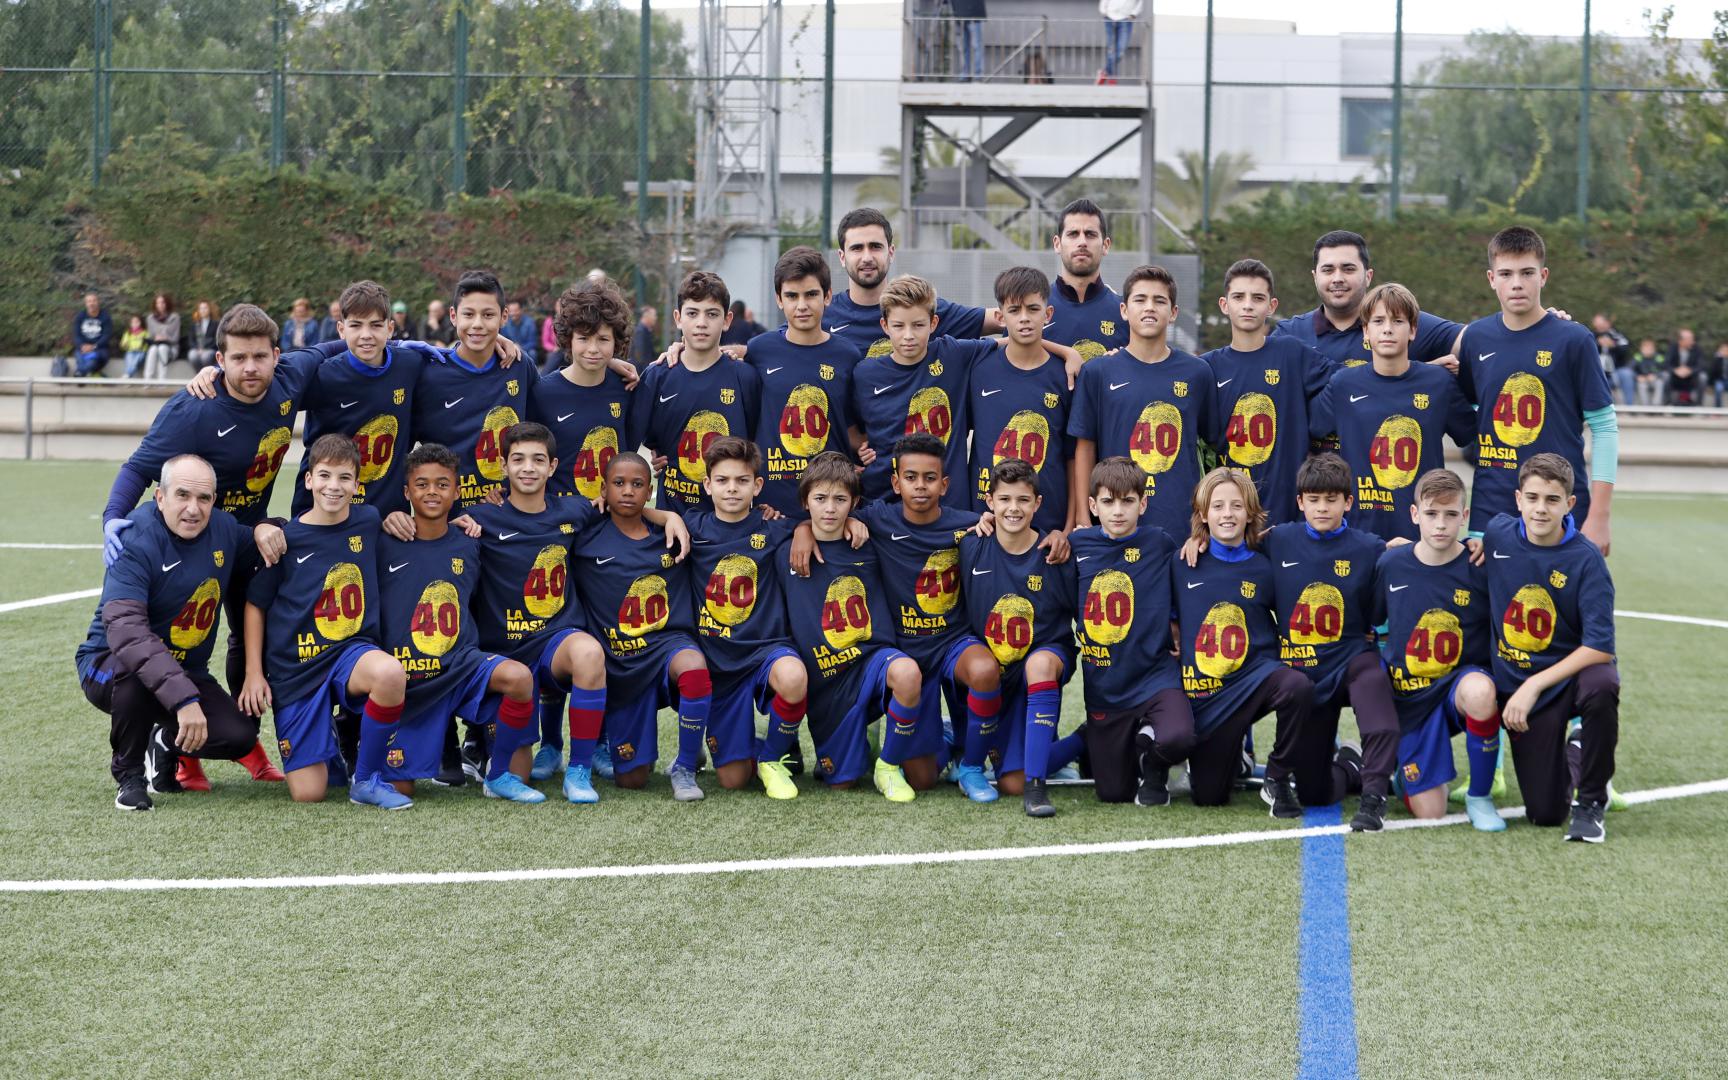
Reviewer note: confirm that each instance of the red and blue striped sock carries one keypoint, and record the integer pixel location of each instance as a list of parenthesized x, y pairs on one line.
[(1043, 710), (376, 723), (587, 710), (982, 706), (902, 722), (695, 696), (514, 731), (783, 720)]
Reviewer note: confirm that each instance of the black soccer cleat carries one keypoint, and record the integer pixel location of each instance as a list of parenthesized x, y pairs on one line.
[(450, 769), (1145, 738), (1281, 797), (1154, 785), (473, 756), (1036, 799), (132, 795), (794, 759), (1586, 824), (1370, 814), (161, 765)]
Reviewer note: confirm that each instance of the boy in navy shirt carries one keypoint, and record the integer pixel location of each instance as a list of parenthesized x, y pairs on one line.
[(586, 404), (426, 590), (636, 598), (1434, 606), (1537, 382), (679, 411), (1552, 604), (1085, 312), (866, 241), (1020, 399), (316, 649), (736, 554), (1149, 402), (1133, 687), (1265, 385), (1228, 633), (839, 618), (1391, 416), (1023, 609)]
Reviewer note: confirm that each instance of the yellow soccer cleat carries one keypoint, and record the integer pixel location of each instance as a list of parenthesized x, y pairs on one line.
[(891, 782), (776, 779)]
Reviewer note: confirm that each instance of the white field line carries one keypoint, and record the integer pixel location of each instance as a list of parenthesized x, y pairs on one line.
[(53, 547), (1659, 617), (44, 601), (821, 862)]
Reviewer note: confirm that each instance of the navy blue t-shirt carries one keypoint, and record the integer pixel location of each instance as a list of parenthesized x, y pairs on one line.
[(525, 589), (1546, 601), (591, 423), (806, 407), (1091, 326), (921, 571), (680, 412), (1016, 604), (1436, 620), (1123, 609), (1531, 388), (1323, 586), (1022, 414), (839, 619), (469, 409), (1348, 348), (891, 400), (1157, 414), (1389, 429), (319, 598), (740, 603), (180, 583), (425, 604), (1229, 633), (636, 600), (1263, 401), (861, 327), (374, 406)]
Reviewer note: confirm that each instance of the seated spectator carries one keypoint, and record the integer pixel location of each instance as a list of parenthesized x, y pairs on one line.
[(92, 338), (551, 355), (327, 325), (299, 329), (438, 328), (401, 326), (519, 327), (202, 352), (1685, 370), (1719, 373), (164, 327), (1652, 368), (133, 343)]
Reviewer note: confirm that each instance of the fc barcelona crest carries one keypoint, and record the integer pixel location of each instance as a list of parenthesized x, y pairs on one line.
[(1341, 568), (758, 541), (355, 543), (1035, 582), (218, 557), (1272, 376), (1131, 554), (827, 372), (617, 409), (456, 567), (728, 396), (395, 758), (566, 528), (1419, 400), (399, 396), (1544, 358), (1460, 597), (286, 408), (1247, 590), (1106, 327), (666, 560), (935, 368), (1557, 579), (1051, 400), (1179, 388), (511, 387)]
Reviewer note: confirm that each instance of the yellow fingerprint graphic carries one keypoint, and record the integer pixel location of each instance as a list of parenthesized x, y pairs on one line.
[(342, 605), (437, 619), (731, 593), (1108, 613)]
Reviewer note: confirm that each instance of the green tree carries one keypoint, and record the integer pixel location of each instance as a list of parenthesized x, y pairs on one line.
[(1180, 194)]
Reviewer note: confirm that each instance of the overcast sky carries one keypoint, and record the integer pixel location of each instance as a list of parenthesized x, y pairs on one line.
[(1692, 18)]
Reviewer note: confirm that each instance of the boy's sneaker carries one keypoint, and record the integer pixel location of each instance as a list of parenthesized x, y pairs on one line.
[(450, 772), (376, 791), (1067, 774), (776, 777), (973, 785), (1348, 757), (510, 786), (161, 763), (1586, 824), (1036, 799), (579, 784), (258, 763), (1281, 797), (684, 786), (132, 794), (1154, 786), (794, 759), (1370, 814), (891, 782), (1616, 801), (474, 764), (602, 763), (190, 773), (1483, 814), (547, 760)]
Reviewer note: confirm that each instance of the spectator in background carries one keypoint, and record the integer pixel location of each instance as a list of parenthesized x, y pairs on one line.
[(1652, 369), (401, 326), (164, 327), (92, 337), (1719, 373), (438, 328), (1686, 370), (970, 14), (203, 350), (327, 326), (551, 356), (744, 325), (519, 327), (1119, 19), (1613, 345), (300, 328), (133, 343), (643, 348), (597, 276)]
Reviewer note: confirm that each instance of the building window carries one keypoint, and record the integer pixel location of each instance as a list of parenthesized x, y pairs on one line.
[(1367, 126)]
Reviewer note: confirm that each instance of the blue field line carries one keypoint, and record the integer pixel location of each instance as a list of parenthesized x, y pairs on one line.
[(1328, 1002)]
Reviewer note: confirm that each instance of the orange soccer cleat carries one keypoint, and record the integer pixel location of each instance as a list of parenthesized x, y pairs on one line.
[(258, 763), (191, 774)]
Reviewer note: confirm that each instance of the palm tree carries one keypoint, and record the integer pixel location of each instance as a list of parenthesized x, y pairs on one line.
[(1180, 193)]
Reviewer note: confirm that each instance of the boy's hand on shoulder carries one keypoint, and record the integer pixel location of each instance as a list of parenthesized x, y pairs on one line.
[(674, 353), (677, 534), (986, 524), (1449, 362), (470, 528), (508, 351), (203, 385), (866, 454), (856, 533), (625, 370), (1477, 549), (802, 547), (495, 496), (736, 352), (271, 541), (1056, 547), (1190, 552), (399, 525), (769, 513)]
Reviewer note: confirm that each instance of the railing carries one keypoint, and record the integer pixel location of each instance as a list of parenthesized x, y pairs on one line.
[(941, 48)]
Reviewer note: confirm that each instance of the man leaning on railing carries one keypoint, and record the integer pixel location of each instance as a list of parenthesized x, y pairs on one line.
[(1119, 19)]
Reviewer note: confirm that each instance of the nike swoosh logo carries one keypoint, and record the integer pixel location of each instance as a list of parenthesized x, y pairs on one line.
[(837, 329), (976, 571), (1195, 584), (1117, 385), (772, 370), (987, 393), (1396, 588), (452, 404), (880, 390), (1354, 398), (603, 562), (1481, 356), (348, 404), (667, 398), (899, 536), (303, 558), (397, 567), (1044, 716), (701, 541), (508, 535), (1287, 565), (171, 565), (565, 417), (223, 431), (1082, 558), (1226, 382), (1497, 555)]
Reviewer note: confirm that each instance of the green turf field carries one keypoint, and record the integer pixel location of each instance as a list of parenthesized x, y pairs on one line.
[(1471, 955)]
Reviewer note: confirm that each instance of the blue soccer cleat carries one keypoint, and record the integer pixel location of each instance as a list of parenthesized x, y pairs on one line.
[(602, 766), (1483, 814), (579, 784), (972, 782), (547, 760), (510, 786), (376, 791)]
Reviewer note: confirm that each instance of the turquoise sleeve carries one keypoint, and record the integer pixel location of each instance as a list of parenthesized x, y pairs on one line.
[(1604, 444)]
